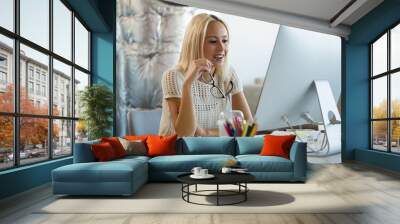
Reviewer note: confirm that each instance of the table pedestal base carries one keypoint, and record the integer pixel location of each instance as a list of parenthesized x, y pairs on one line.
[(220, 193)]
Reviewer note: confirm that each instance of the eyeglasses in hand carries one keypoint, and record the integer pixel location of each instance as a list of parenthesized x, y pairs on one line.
[(215, 90)]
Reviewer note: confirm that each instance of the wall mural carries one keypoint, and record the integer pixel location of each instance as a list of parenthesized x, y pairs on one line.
[(149, 34)]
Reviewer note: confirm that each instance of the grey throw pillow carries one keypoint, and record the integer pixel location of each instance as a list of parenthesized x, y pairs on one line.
[(136, 147)]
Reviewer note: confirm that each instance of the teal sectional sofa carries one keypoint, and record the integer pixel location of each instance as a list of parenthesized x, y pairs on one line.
[(125, 176)]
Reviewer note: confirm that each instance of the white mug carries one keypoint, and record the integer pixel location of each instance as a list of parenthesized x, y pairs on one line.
[(203, 172), (196, 170), (226, 170)]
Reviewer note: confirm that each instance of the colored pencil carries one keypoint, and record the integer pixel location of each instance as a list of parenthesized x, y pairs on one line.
[(245, 125), (249, 129), (227, 129), (254, 130)]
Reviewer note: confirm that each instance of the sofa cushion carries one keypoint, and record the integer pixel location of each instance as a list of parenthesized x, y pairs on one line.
[(103, 152), (277, 145), (257, 163), (185, 163), (249, 145), (116, 145), (161, 145), (206, 145), (133, 158), (136, 137), (134, 147)]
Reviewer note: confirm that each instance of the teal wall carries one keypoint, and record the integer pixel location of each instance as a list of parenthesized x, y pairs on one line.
[(102, 58), (24, 178), (356, 86), (103, 51), (99, 15), (103, 44), (92, 13), (103, 62), (380, 159)]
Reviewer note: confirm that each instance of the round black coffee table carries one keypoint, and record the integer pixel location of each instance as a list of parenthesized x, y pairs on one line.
[(238, 179)]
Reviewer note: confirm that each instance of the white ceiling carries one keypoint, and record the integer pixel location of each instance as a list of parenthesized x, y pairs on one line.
[(324, 16), (321, 9)]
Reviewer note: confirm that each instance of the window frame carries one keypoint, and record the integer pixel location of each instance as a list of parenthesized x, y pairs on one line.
[(388, 74), (3, 70), (16, 114)]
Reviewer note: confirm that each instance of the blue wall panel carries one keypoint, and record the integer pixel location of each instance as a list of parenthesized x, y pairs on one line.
[(90, 12), (357, 99), (377, 158), (376, 22), (24, 178), (102, 58), (103, 51), (103, 62)]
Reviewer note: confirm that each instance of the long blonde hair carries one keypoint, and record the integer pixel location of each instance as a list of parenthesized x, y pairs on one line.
[(193, 41)]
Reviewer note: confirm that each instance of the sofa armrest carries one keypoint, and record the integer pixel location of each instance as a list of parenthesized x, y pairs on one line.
[(298, 155), (83, 152)]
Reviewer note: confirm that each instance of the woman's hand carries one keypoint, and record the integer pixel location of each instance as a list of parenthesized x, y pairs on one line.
[(200, 132), (206, 132), (196, 68)]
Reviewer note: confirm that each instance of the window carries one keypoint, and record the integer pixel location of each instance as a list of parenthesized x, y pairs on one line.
[(62, 130), (7, 14), (43, 77), (62, 74), (35, 22), (38, 89), (385, 91), (37, 74), (30, 87), (6, 80), (6, 143), (55, 101), (54, 125), (30, 72), (81, 81), (44, 91), (62, 29), (3, 71), (3, 78), (3, 61), (81, 45)]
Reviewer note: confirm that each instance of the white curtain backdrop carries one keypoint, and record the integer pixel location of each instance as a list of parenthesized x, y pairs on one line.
[(149, 35)]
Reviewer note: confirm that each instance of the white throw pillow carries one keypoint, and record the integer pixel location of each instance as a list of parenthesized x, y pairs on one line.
[(134, 147)]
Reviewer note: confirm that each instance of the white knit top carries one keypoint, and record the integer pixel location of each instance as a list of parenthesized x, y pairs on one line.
[(206, 107)]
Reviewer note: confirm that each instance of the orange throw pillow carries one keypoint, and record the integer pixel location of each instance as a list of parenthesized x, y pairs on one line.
[(275, 145), (103, 152), (161, 145), (136, 137), (116, 145)]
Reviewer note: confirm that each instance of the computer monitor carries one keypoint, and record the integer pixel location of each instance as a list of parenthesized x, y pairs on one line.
[(299, 57)]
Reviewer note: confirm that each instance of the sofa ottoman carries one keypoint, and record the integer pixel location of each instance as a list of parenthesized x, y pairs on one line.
[(119, 177), (88, 177)]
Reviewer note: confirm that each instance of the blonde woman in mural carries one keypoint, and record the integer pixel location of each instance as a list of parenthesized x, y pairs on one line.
[(202, 84)]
